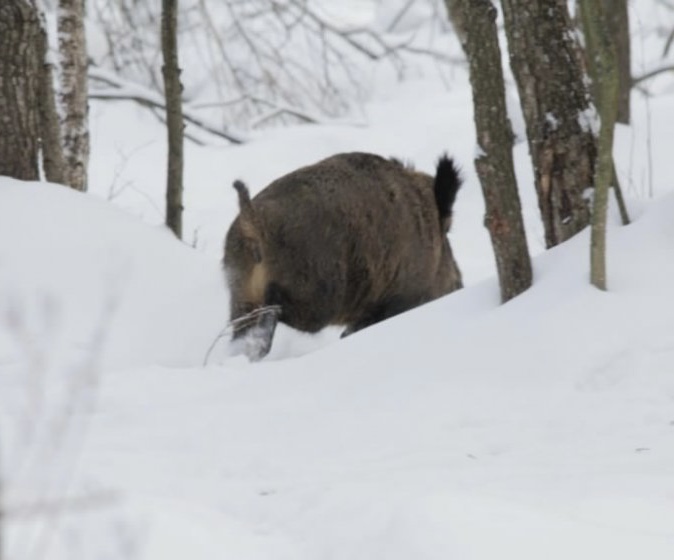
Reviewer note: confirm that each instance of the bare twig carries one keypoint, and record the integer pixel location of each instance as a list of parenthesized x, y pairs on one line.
[(652, 74), (668, 44), (401, 14), (241, 323), (121, 90), (285, 51)]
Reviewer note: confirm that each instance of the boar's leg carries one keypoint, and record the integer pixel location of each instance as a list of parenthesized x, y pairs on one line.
[(258, 338), (381, 311)]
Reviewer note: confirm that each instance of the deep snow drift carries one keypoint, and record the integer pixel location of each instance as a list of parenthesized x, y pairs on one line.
[(544, 427), (463, 429)]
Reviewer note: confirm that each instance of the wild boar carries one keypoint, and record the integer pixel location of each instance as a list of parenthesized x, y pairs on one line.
[(351, 240)]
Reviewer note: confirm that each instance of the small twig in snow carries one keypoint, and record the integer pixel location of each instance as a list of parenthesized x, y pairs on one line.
[(240, 323)]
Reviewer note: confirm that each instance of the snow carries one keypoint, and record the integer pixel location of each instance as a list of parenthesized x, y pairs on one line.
[(543, 428)]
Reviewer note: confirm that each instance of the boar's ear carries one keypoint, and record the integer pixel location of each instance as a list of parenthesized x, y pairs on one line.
[(248, 221), (245, 206)]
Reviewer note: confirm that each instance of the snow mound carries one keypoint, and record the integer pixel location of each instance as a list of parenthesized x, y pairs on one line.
[(72, 265), (462, 428)]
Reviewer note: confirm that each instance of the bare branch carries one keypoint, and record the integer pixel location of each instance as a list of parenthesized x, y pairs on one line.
[(401, 13), (668, 44), (284, 51), (121, 90), (652, 74)]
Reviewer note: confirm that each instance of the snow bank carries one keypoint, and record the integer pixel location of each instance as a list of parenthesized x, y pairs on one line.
[(70, 264), (462, 429)]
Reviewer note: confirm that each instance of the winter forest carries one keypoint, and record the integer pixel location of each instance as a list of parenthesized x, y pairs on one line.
[(312, 280)]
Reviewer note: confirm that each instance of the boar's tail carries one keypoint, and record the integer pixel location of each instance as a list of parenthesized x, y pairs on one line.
[(446, 185)]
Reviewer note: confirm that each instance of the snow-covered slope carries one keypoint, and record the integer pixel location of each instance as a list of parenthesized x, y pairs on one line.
[(87, 265), (542, 428)]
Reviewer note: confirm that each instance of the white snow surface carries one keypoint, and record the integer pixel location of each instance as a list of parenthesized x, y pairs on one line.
[(463, 429)]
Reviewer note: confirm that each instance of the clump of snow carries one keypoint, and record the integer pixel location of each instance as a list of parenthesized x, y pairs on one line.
[(552, 121), (589, 120)]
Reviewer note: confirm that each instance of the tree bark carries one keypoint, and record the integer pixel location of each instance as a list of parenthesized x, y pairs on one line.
[(550, 77), (19, 86), (617, 16), (174, 117), (616, 20), (615, 24), (74, 92), (608, 94), (493, 162), (53, 162), (457, 18)]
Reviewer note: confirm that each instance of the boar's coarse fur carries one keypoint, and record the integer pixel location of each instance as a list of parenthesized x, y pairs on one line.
[(351, 240)]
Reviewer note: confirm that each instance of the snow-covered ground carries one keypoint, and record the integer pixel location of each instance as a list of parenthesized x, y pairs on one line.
[(543, 428)]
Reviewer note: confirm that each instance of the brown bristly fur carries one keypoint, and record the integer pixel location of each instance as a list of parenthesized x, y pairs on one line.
[(350, 240)]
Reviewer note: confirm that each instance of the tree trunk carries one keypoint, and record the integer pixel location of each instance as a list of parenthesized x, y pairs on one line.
[(616, 20), (50, 129), (74, 92), (494, 163), (608, 94), (551, 82), (19, 86), (457, 18), (617, 16), (174, 117), (614, 23)]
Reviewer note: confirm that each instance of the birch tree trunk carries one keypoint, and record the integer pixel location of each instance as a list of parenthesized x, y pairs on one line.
[(174, 117), (74, 92), (548, 69), (50, 129), (493, 162), (19, 86)]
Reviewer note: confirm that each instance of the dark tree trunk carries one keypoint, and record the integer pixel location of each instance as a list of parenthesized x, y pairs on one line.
[(19, 87), (457, 18), (74, 92), (174, 117), (550, 77), (494, 163), (618, 18)]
